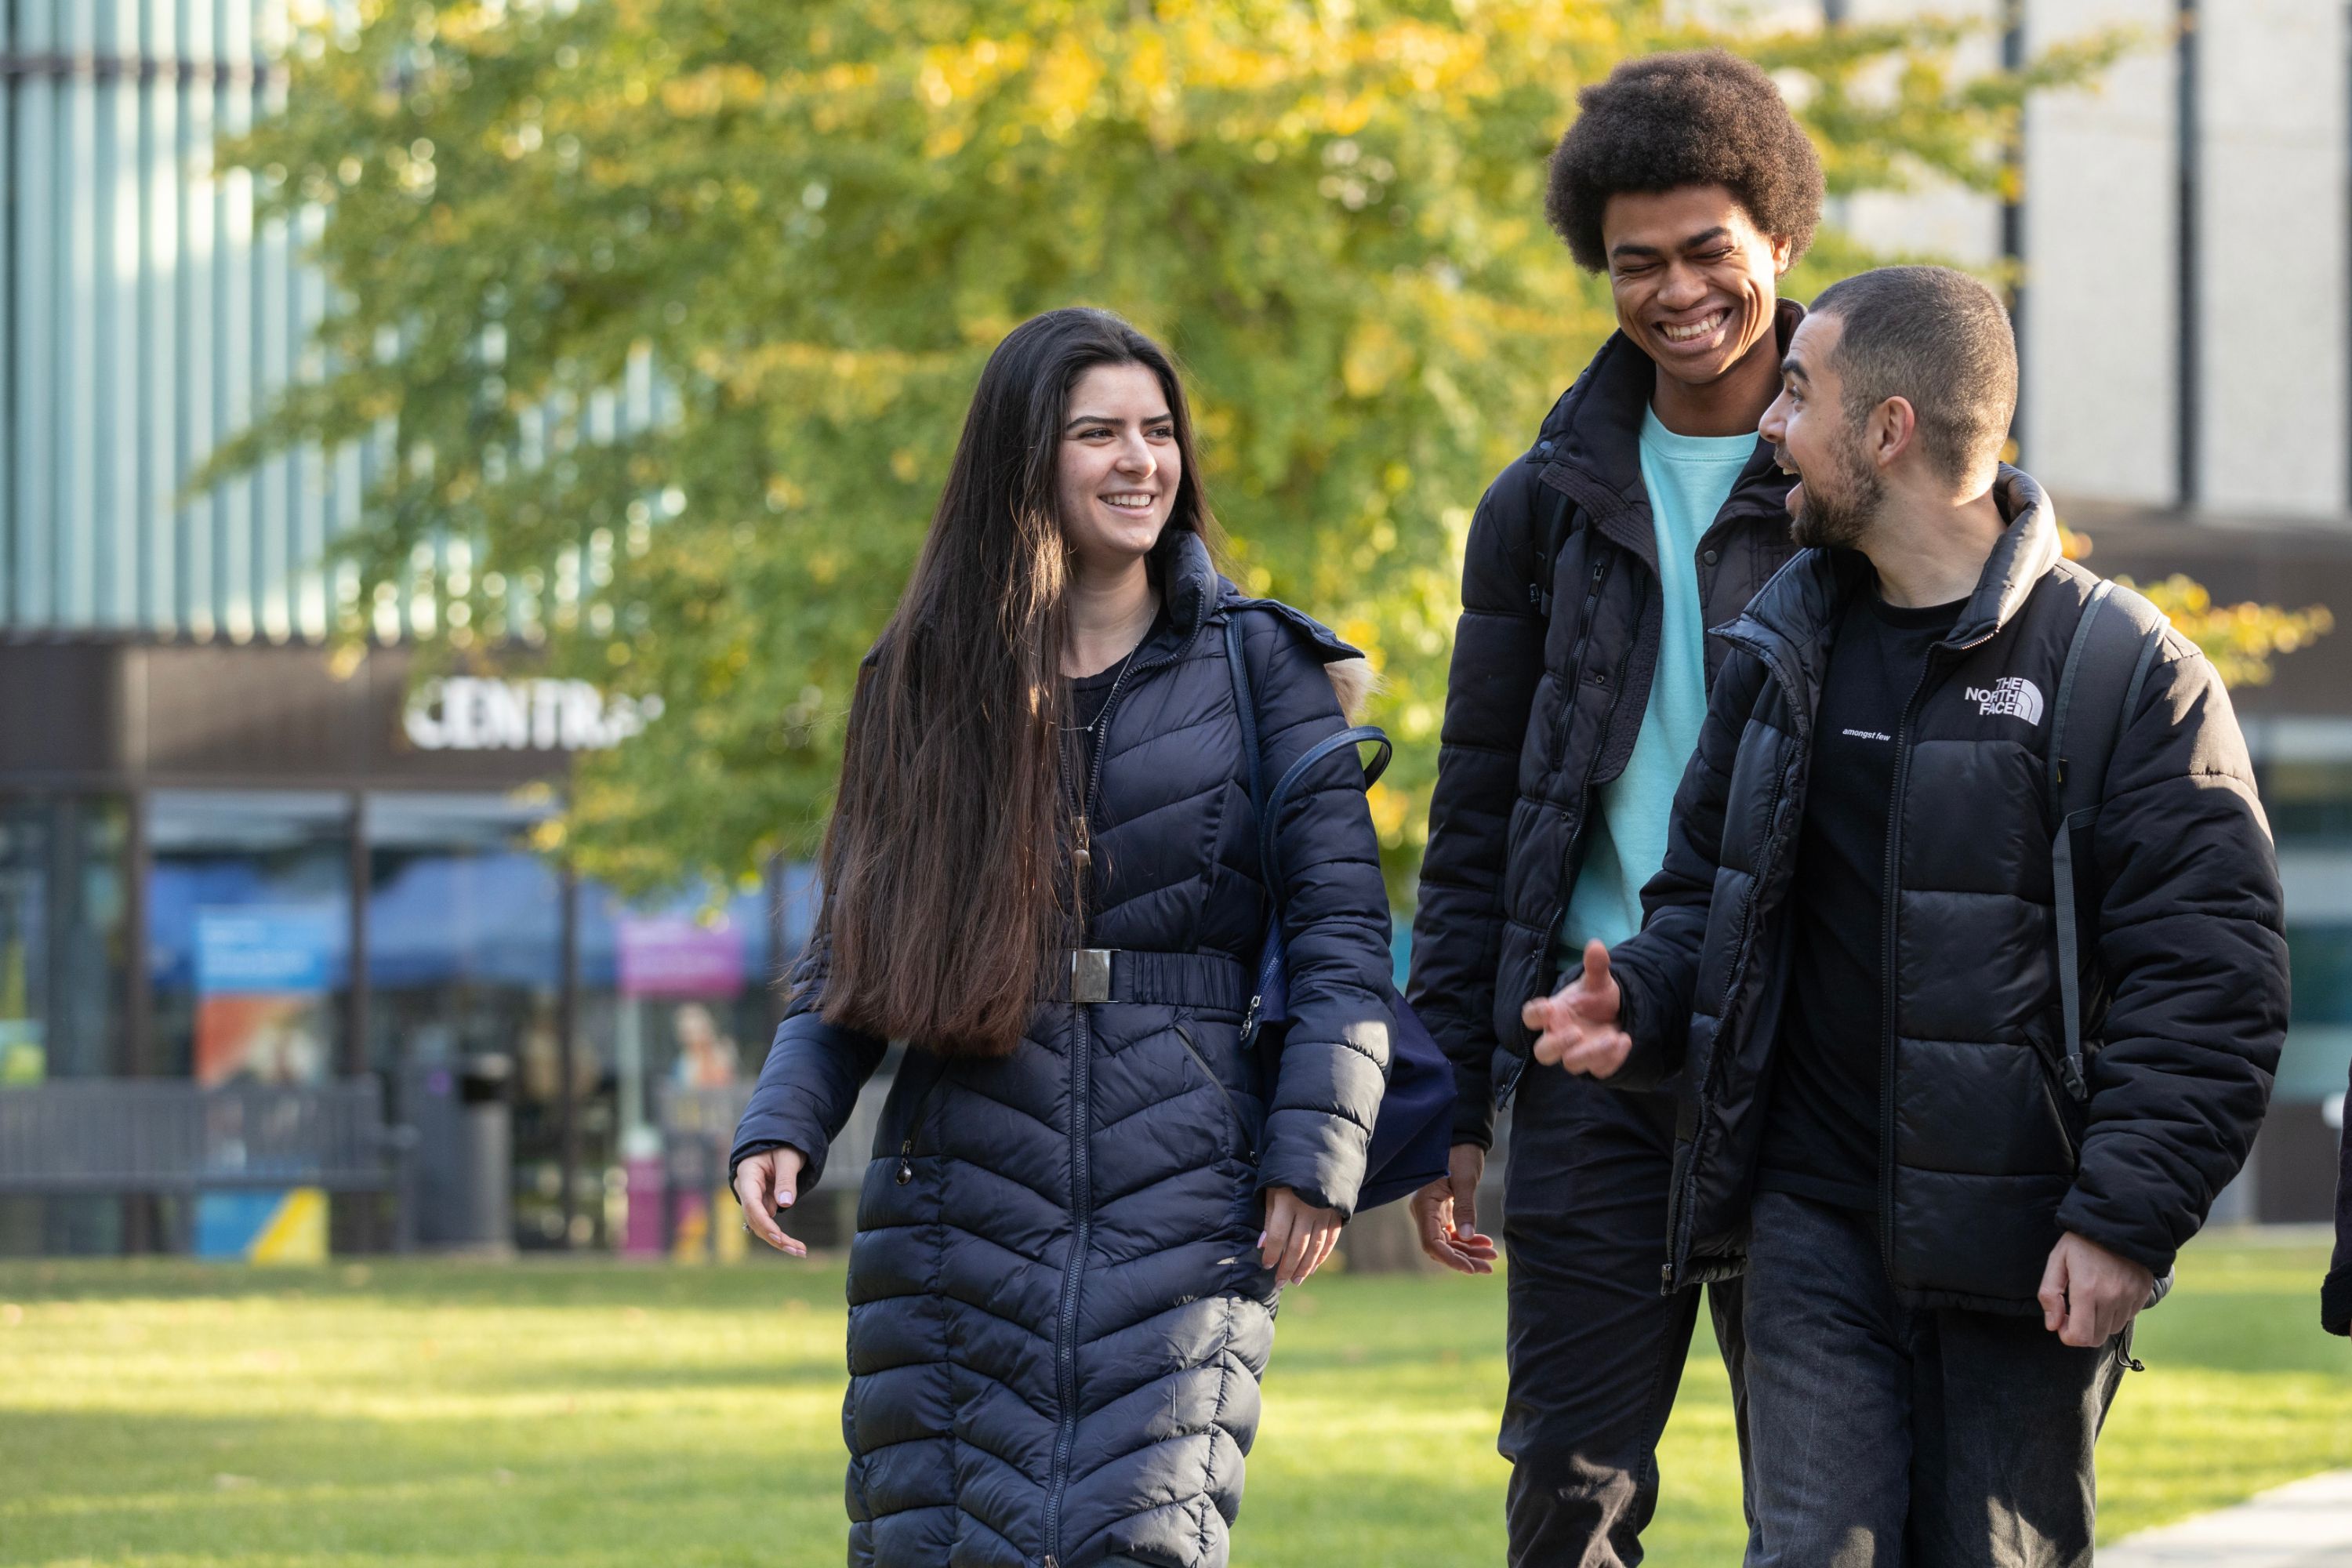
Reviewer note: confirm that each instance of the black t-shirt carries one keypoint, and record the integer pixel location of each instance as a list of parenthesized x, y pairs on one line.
[(1820, 1140), (1090, 694)]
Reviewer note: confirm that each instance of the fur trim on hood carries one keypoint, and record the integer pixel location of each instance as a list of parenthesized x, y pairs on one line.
[(1354, 680)]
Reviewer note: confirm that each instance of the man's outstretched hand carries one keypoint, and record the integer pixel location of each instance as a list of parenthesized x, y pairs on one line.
[(2089, 1294), (1578, 1025)]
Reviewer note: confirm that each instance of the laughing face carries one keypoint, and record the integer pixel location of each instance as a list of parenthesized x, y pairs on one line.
[(1839, 490), (1696, 282), (1118, 466)]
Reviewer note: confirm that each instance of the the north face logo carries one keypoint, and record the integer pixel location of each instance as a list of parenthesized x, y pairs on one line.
[(2013, 695)]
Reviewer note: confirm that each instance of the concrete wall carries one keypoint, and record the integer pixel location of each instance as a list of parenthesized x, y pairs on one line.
[(2273, 413), (2100, 275)]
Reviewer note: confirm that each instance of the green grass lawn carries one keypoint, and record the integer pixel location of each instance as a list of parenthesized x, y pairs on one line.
[(171, 1413)]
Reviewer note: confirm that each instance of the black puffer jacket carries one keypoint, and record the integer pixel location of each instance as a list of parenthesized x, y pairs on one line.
[(1057, 1318), (1552, 661), (1985, 1158)]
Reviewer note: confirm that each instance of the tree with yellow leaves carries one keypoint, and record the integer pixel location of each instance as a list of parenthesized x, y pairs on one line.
[(661, 315)]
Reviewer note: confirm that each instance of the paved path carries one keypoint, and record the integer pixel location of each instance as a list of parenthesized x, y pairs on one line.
[(2303, 1524)]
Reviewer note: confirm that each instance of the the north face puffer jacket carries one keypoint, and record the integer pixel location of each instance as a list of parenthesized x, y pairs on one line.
[(1057, 1316), (1985, 1158)]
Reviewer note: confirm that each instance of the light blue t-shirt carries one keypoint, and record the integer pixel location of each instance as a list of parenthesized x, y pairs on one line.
[(1688, 478)]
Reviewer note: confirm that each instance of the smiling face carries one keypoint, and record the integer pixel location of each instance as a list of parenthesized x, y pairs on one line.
[(1696, 282), (1118, 466), (1840, 490)]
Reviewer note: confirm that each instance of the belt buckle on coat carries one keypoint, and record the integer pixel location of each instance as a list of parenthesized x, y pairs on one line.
[(1090, 974)]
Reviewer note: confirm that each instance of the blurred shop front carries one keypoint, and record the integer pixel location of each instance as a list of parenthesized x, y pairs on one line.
[(241, 864), (2299, 729)]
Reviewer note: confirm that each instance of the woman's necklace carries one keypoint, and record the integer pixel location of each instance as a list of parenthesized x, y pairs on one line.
[(1091, 725), (1083, 852)]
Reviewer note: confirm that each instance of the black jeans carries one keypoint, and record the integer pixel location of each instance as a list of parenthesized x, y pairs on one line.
[(1888, 1437), (1596, 1351)]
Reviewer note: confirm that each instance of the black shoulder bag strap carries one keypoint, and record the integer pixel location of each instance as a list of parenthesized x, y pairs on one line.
[(2108, 663), (1268, 803)]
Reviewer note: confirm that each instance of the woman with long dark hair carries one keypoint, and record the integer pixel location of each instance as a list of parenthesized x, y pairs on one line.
[(1044, 874)]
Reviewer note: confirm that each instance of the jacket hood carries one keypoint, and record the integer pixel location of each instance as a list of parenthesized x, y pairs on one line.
[(1196, 595)]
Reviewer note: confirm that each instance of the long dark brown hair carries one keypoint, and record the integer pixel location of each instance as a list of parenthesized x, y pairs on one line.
[(947, 888)]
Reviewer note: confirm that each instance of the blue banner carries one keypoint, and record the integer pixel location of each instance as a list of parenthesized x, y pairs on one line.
[(262, 949)]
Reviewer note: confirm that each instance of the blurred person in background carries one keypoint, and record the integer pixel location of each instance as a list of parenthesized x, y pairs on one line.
[(1949, 1200), (707, 1058), (1646, 512), (2336, 1291), (1042, 873)]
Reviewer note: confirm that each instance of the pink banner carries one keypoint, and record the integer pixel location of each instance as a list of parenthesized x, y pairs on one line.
[(675, 955)]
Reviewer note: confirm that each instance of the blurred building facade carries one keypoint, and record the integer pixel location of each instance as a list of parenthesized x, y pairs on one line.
[(226, 854)]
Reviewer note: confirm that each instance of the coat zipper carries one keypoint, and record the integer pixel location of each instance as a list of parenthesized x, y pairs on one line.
[(1082, 1207), (1890, 900), (1576, 655), (1678, 1195), (1600, 575), (1240, 1127)]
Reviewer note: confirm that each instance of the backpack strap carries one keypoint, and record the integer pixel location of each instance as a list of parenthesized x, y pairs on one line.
[(1268, 803), (1245, 705), (1269, 853), (1267, 806), (2106, 667)]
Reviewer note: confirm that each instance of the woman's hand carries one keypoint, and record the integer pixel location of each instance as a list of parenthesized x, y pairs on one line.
[(765, 1183), (1445, 1215), (1298, 1236)]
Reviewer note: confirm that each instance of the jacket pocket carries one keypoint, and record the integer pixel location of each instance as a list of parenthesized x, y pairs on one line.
[(2069, 1113), (1232, 1109), (906, 1146)]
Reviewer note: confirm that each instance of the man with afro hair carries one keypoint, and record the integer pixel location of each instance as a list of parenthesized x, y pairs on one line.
[(1646, 511)]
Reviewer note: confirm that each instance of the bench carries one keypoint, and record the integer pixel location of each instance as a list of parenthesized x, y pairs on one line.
[(126, 1136)]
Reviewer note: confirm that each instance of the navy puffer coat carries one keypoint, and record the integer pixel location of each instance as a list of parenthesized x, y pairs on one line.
[(1057, 1316)]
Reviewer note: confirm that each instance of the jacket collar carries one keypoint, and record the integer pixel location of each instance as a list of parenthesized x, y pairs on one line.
[(1789, 619), (1189, 584), (2021, 557)]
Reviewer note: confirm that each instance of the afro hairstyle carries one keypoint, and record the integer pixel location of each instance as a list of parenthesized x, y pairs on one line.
[(1699, 118)]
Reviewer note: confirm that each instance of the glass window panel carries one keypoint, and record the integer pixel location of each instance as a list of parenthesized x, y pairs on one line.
[(2320, 958), (87, 1015), (25, 838), (465, 964), (250, 932), (63, 941), (2309, 799), (464, 928), (675, 997)]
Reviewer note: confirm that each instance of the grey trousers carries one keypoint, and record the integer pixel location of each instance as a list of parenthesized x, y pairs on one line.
[(1888, 1437)]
